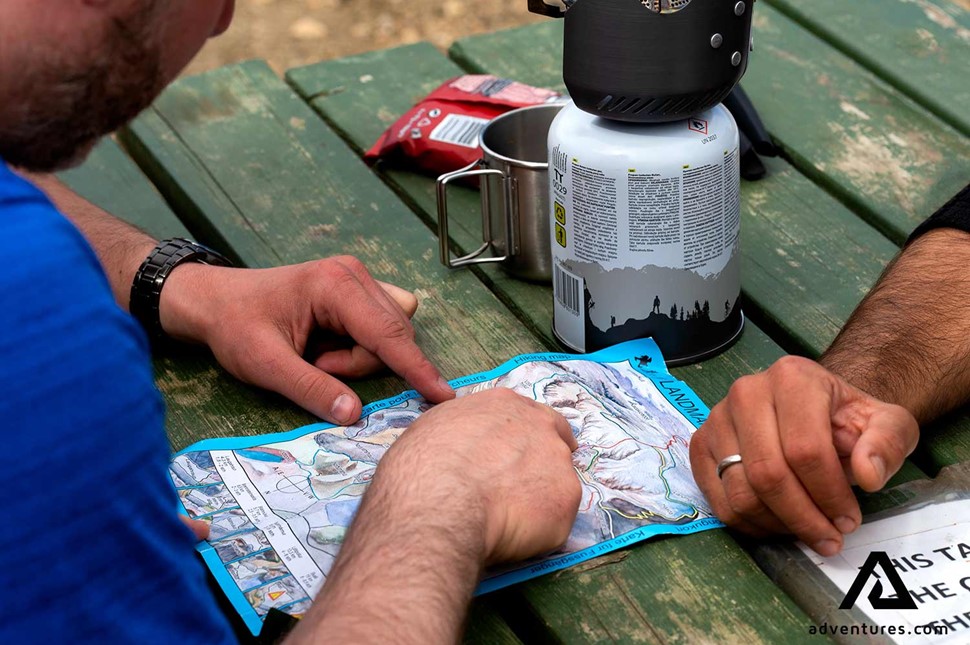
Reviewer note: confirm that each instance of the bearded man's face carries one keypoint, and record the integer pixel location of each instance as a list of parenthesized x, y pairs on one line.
[(63, 104)]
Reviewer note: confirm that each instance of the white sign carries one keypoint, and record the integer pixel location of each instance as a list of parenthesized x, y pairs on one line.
[(929, 549)]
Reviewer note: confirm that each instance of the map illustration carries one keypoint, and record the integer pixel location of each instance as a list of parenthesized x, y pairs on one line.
[(280, 505)]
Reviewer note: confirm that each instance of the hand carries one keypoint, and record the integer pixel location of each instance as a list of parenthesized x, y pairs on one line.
[(484, 479), (509, 456), (805, 436), (264, 326), (199, 528)]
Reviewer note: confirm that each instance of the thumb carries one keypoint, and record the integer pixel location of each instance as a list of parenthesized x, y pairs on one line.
[(199, 528), (309, 387), (404, 298), (890, 435)]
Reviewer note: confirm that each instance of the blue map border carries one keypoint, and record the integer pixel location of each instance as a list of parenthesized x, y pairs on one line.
[(675, 391)]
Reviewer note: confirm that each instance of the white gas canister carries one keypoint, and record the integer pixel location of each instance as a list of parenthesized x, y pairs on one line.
[(645, 228)]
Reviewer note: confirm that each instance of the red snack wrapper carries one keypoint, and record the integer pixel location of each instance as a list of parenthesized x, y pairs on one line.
[(441, 133)]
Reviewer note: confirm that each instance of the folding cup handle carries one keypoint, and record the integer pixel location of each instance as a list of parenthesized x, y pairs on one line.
[(474, 170)]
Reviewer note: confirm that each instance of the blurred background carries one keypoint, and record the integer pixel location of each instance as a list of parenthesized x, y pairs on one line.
[(289, 33)]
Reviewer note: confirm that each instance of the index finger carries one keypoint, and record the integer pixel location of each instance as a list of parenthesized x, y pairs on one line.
[(390, 336), (563, 428), (565, 431)]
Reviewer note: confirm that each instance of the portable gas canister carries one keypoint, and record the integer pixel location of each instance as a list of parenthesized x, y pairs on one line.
[(645, 175), (645, 227)]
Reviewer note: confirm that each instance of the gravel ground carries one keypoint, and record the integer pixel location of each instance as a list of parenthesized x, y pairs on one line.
[(289, 33)]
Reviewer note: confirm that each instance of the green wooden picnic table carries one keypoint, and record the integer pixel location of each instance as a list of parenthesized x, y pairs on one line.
[(868, 101)]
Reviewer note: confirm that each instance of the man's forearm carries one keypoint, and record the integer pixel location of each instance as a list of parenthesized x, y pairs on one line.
[(407, 570), (120, 247), (909, 341)]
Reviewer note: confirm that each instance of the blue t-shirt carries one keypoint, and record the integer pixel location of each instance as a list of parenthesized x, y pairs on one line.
[(93, 550)]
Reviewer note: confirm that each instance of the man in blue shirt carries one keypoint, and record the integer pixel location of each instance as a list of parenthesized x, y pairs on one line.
[(95, 549)]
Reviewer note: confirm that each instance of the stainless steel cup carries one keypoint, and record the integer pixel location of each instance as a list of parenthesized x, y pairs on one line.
[(514, 171)]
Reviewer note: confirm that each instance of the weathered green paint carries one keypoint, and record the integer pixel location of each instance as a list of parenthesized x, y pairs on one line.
[(788, 222), (485, 625), (109, 179), (785, 213), (850, 132), (919, 47), (682, 590), (945, 443), (530, 54), (237, 152), (229, 150)]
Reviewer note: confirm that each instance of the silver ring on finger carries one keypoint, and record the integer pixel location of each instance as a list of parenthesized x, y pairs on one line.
[(726, 463)]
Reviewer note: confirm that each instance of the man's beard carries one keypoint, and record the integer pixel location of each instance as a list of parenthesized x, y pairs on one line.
[(64, 107)]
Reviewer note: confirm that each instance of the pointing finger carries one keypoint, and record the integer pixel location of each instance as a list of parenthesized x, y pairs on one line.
[(385, 333)]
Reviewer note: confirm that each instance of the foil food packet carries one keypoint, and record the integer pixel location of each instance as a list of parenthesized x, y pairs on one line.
[(441, 133)]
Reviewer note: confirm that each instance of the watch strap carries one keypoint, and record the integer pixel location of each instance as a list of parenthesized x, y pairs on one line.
[(146, 289)]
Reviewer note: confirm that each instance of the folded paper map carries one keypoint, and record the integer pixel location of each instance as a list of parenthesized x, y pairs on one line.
[(279, 505)]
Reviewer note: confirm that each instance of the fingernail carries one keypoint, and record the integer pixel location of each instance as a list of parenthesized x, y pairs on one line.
[(879, 464), (846, 524), (443, 384), (343, 408), (827, 548)]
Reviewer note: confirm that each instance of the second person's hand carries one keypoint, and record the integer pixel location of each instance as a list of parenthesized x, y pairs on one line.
[(805, 436)]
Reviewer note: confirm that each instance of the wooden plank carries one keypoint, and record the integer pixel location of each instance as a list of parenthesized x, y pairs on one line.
[(872, 147), (390, 82), (652, 592), (486, 626), (385, 84), (774, 222), (237, 153), (806, 259), (919, 47), (109, 179)]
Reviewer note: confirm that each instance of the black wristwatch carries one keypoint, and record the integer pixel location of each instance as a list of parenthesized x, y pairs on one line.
[(146, 290)]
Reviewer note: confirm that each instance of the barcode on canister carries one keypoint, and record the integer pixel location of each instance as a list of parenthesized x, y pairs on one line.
[(459, 130), (566, 288)]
